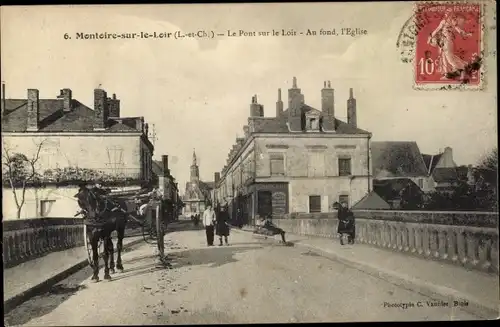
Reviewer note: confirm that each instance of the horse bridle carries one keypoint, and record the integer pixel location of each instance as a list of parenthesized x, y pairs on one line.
[(97, 202)]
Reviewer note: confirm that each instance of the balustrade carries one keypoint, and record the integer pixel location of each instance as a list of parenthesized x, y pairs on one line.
[(466, 239), (27, 239)]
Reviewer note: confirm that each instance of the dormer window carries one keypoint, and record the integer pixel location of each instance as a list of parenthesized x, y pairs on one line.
[(313, 123)]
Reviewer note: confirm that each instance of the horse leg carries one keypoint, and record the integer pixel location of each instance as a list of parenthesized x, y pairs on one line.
[(111, 250), (119, 246), (94, 242), (105, 255)]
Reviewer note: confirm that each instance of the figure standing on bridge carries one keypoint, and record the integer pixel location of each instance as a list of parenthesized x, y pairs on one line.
[(346, 223), (208, 223), (222, 226)]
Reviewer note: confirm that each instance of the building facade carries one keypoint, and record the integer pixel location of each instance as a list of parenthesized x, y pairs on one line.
[(197, 194), (168, 187), (73, 142), (301, 160)]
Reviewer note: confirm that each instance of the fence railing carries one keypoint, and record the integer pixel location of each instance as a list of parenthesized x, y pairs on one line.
[(27, 239), (443, 237)]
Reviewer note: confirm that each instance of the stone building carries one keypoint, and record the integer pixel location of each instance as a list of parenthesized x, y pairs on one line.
[(168, 187), (301, 160), (197, 193), (72, 140)]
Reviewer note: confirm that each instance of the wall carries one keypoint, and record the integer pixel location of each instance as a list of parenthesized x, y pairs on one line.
[(327, 183), (117, 152), (469, 239), (65, 204), (24, 240)]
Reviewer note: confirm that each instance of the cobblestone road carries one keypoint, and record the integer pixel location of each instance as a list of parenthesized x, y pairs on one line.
[(250, 281)]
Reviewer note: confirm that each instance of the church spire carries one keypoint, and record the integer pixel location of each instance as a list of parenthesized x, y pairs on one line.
[(195, 172), (194, 157)]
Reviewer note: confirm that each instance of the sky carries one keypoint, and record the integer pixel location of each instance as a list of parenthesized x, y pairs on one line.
[(197, 92)]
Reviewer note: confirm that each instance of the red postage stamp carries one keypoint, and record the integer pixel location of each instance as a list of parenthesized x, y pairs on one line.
[(448, 50)]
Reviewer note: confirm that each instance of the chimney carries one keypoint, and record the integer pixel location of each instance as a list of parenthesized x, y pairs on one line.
[(66, 95), (146, 129), (164, 160), (114, 106), (3, 98), (33, 110), (279, 105), (447, 161), (217, 177), (246, 131), (295, 99), (100, 109), (351, 109), (139, 124), (327, 100), (256, 109)]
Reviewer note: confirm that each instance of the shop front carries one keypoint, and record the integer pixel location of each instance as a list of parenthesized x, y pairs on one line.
[(267, 200)]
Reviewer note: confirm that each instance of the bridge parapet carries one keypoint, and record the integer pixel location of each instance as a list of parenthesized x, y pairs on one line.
[(469, 239), (26, 239)]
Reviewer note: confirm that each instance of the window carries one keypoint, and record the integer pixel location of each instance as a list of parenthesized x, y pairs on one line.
[(314, 203), (421, 182), (344, 166), (344, 198), (316, 165), (277, 164), (45, 207)]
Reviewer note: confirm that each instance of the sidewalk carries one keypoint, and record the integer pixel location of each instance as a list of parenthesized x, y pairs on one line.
[(438, 280), (29, 278)]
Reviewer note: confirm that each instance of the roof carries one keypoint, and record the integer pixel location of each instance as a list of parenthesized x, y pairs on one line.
[(207, 185), (397, 159), (390, 189), (279, 124), (157, 167), (197, 190), (445, 175), (54, 119), (431, 161), (371, 201)]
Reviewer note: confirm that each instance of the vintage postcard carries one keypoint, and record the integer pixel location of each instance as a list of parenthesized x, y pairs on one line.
[(249, 163)]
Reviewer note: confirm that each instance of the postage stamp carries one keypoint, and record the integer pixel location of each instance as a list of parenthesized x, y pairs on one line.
[(448, 46)]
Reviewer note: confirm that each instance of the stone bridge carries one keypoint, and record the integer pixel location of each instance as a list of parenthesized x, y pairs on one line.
[(404, 266)]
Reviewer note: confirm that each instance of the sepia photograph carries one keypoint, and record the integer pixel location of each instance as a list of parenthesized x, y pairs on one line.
[(248, 163)]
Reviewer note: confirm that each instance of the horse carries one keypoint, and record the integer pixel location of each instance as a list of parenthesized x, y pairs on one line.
[(102, 217)]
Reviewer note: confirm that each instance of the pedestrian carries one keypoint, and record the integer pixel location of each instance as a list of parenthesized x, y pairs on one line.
[(208, 222), (222, 226), (346, 223)]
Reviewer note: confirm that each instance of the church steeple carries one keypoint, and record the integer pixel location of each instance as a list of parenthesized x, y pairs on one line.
[(195, 173), (194, 158)]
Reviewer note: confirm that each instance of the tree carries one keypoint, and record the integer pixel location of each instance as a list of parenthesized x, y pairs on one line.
[(490, 160), (20, 171)]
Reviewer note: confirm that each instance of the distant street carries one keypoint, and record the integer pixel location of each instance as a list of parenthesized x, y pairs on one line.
[(250, 281)]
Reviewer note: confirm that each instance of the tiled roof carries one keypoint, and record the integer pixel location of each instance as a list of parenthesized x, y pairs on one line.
[(445, 175), (157, 167), (371, 201), (279, 124), (390, 189), (398, 159), (431, 161), (207, 185), (53, 119)]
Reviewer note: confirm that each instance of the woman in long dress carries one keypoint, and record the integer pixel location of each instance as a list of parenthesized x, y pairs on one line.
[(443, 38), (222, 226)]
